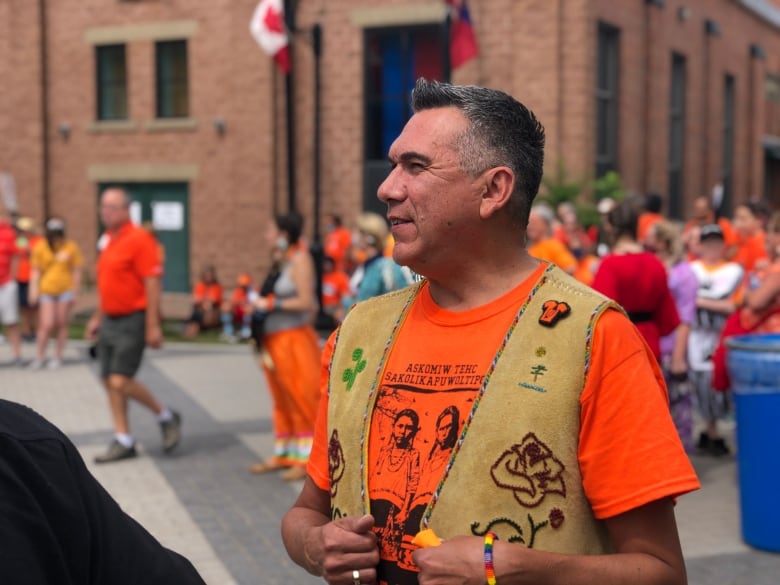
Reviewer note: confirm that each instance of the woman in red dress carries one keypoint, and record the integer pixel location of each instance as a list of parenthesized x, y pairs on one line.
[(636, 279)]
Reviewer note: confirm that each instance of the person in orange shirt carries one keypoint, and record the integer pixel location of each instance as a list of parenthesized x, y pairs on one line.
[(25, 242), (206, 303), (649, 216), (335, 288), (236, 311), (127, 320), (580, 493), (578, 242), (541, 243), (751, 245), (338, 240), (705, 214)]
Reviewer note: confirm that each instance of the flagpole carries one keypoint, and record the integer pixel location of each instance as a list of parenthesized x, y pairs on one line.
[(289, 17), (323, 322)]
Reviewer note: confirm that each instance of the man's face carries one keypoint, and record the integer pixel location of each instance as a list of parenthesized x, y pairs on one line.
[(114, 211), (702, 212), (433, 206), (745, 222)]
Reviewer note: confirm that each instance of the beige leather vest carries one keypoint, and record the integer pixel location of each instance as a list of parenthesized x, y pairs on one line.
[(515, 469)]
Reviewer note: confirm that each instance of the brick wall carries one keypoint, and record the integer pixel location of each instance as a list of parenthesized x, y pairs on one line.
[(541, 51)]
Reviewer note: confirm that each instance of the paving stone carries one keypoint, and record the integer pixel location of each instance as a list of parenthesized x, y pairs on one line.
[(203, 502)]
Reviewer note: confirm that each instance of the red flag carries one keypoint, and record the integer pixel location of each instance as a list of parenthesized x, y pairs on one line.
[(267, 28), (463, 42)]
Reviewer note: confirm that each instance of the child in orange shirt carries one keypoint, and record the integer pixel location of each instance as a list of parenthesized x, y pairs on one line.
[(206, 303), (236, 311), (751, 245)]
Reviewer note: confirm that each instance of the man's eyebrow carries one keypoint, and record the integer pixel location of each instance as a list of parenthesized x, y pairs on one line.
[(411, 155)]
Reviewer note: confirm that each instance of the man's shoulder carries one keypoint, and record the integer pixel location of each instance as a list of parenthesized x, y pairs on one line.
[(22, 423), (139, 237), (555, 275)]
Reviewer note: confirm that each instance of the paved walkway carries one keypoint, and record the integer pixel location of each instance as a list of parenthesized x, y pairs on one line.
[(202, 502)]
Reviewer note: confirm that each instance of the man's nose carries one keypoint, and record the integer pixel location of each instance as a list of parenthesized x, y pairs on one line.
[(390, 187)]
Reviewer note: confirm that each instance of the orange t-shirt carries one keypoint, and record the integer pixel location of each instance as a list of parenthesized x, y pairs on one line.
[(336, 245), (629, 451), (586, 269), (25, 246), (208, 292), (646, 220), (335, 286), (128, 259), (239, 295), (554, 251), (750, 250)]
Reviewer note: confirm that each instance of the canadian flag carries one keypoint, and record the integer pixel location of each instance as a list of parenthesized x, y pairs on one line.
[(267, 28)]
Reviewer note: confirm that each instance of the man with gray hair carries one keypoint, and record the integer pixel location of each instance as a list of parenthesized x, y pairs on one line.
[(541, 243), (566, 463), (127, 320)]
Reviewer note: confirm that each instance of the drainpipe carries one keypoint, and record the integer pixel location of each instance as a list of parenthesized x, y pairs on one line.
[(646, 99), (45, 199), (560, 62)]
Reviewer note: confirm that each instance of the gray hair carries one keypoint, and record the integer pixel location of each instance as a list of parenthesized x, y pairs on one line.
[(501, 132), (127, 199)]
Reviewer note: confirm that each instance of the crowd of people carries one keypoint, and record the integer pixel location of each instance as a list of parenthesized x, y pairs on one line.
[(40, 279), (528, 399), (357, 264), (686, 285)]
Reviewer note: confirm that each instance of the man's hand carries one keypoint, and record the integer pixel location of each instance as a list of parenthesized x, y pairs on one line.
[(345, 545), (154, 336), (91, 330), (456, 561)]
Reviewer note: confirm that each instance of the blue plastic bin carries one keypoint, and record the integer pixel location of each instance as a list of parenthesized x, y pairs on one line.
[(754, 366)]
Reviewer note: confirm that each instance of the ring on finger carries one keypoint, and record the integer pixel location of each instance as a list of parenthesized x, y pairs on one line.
[(356, 577)]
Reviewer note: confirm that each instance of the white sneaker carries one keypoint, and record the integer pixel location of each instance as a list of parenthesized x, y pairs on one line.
[(36, 364), (53, 364)]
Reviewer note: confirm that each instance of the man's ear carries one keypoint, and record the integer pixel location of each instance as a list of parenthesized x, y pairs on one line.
[(499, 183)]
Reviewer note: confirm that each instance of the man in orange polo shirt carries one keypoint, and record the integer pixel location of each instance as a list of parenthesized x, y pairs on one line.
[(128, 319)]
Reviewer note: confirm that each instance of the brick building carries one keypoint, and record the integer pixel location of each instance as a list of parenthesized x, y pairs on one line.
[(174, 99)]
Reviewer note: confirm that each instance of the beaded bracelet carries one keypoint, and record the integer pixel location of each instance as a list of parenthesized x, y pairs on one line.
[(490, 574)]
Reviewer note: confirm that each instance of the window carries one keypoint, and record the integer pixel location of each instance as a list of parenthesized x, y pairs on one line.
[(727, 165), (677, 134), (172, 80), (608, 67), (111, 67), (395, 58), (772, 86)]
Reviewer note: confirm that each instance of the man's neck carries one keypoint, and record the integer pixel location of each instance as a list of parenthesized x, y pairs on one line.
[(473, 288), (119, 227)]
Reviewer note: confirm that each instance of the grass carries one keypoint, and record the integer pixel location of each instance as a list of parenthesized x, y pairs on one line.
[(172, 331)]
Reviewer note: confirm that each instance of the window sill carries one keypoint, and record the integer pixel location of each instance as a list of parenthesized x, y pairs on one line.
[(112, 126), (175, 124)]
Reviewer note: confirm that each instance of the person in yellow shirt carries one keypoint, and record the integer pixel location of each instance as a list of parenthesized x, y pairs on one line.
[(54, 283)]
